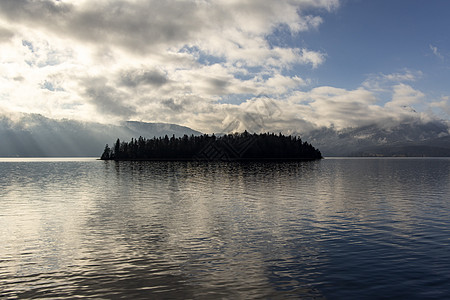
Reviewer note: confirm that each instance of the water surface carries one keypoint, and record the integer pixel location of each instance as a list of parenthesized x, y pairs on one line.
[(329, 229)]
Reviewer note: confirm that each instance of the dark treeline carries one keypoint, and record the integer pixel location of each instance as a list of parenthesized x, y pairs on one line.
[(243, 146)]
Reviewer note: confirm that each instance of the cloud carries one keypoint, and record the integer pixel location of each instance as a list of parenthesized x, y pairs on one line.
[(134, 78), (340, 108), (235, 30), (205, 64), (282, 84), (443, 104), (303, 111), (407, 75), (312, 57), (136, 26), (170, 103), (404, 96), (191, 48), (5, 35), (106, 99), (382, 82), (436, 52), (149, 26)]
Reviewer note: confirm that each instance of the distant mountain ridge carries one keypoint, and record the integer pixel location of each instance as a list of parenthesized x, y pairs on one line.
[(407, 139), (35, 135), (28, 135), (438, 147)]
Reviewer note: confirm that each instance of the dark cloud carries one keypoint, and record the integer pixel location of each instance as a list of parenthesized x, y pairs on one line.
[(152, 26), (170, 103), (217, 86), (194, 56), (136, 78), (218, 83), (106, 99), (5, 34), (24, 9), (137, 26), (19, 78)]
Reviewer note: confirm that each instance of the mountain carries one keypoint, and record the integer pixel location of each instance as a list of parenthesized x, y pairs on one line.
[(35, 135), (439, 147), (407, 139), (28, 135)]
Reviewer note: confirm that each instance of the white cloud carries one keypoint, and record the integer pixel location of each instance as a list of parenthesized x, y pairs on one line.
[(443, 104), (408, 75), (205, 64), (404, 96), (381, 82), (5, 35), (436, 52), (312, 57), (112, 60), (340, 108), (324, 106), (282, 84)]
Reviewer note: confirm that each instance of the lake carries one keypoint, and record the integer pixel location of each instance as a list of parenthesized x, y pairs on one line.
[(339, 228)]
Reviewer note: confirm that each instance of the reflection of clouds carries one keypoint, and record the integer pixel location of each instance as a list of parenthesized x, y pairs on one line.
[(215, 224), (196, 229), (39, 225), (202, 226), (230, 235)]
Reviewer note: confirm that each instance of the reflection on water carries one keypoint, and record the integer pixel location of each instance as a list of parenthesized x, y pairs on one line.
[(336, 228)]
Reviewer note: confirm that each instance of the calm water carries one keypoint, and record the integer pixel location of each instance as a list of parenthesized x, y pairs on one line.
[(332, 229)]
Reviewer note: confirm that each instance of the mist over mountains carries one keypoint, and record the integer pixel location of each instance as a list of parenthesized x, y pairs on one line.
[(28, 135), (413, 138)]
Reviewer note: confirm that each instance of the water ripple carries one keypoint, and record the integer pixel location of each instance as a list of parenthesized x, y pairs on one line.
[(336, 228)]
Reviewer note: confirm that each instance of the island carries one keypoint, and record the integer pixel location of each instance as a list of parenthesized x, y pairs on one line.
[(230, 147)]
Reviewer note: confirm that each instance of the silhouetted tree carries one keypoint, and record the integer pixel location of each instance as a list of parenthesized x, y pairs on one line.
[(117, 149), (244, 146), (106, 153)]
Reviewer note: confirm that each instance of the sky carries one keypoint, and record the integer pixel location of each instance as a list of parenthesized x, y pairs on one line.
[(227, 65)]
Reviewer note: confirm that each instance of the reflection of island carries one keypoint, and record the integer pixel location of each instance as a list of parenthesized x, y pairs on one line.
[(231, 147)]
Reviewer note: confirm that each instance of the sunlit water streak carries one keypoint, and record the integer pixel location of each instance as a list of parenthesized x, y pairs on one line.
[(336, 228)]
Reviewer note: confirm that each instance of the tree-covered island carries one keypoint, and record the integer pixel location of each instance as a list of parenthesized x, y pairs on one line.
[(231, 147)]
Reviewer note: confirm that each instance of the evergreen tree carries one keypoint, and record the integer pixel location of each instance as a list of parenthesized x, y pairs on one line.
[(106, 153), (244, 146)]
